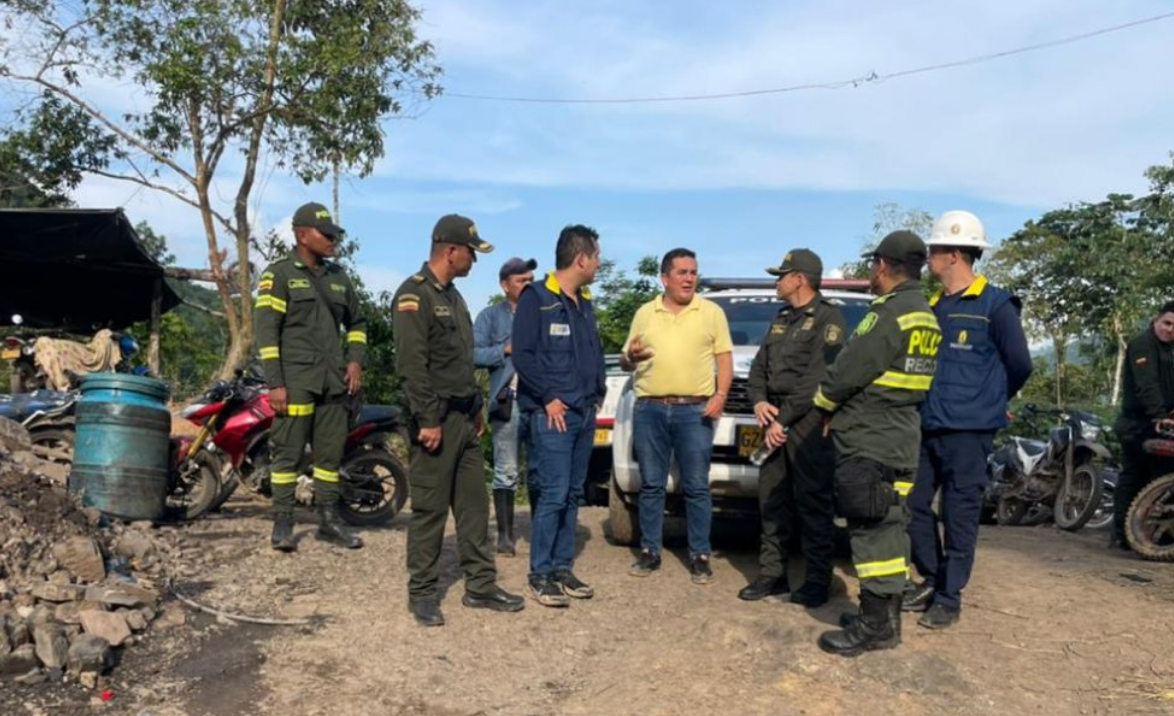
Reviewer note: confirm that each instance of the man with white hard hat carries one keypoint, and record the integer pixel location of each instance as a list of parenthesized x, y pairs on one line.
[(983, 361)]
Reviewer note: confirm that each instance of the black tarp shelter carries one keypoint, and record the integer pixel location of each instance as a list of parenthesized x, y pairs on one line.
[(77, 270)]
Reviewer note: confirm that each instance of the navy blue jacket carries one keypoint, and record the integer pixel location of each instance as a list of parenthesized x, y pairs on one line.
[(983, 359), (556, 348)]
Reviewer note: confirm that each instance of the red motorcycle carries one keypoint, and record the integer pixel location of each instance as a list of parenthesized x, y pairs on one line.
[(237, 417)]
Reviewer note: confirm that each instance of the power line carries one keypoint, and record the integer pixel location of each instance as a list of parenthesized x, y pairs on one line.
[(871, 77)]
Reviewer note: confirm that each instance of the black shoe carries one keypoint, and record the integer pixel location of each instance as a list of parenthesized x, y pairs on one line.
[(763, 587), (810, 595), (916, 597), (282, 538), (872, 630), (331, 529), (646, 564), (699, 570), (426, 612), (849, 618), (572, 586), (503, 507), (499, 600), (940, 616), (546, 592)]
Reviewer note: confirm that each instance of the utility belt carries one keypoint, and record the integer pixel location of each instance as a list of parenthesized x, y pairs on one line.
[(866, 489), (467, 405)]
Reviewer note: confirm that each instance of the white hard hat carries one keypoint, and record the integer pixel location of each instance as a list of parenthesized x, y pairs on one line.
[(958, 228)]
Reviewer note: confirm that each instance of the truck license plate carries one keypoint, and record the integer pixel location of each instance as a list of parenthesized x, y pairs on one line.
[(603, 436), (749, 438), (10, 354)]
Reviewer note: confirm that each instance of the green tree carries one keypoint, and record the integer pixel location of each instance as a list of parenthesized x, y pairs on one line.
[(305, 84), (618, 295), (886, 218)]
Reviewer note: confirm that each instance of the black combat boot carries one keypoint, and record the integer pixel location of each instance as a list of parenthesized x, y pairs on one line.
[(503, 506), (331, 528), (874, 629), (282, 538)]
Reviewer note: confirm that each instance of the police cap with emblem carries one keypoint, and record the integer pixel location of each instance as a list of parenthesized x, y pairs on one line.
[(804, 261), (316, 216), (457, 229), (902, 246)]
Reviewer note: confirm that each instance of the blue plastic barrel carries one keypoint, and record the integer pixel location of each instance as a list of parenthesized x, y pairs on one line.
[(120, 460)]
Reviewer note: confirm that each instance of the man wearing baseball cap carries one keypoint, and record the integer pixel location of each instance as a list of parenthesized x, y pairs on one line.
[(795, 481), (984, 361), (301, 300), (434, 358), (493, 349), (870, 398)]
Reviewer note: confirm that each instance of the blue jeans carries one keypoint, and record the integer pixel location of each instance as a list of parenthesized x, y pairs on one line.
[(508, 437), (660, 434), (558, 468)]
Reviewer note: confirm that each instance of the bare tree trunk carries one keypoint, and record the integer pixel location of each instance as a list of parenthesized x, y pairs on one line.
[(1122, 347), (153, 362), (1060, 346), (241, 208)]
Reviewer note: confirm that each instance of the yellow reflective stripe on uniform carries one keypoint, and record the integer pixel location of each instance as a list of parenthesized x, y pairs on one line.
[(299, 410), (283, 478), (821, 401), (270, 352), (904, 381), (325, 475), (271, 302), (881, 569), (918, 319), (903, 488), (356, 337)]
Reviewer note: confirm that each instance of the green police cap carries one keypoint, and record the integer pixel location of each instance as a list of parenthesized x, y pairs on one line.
[(903, 246), (804, 261), (457, 229), (316, 216)]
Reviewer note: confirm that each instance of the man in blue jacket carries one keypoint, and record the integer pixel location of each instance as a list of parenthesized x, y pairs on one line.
[(493, 349), (983, 361), (559, 359)]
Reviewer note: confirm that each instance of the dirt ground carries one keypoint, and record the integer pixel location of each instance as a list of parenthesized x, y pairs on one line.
[(1053, 624)]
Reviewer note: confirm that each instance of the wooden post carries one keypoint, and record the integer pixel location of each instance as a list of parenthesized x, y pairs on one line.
[(156, 327)]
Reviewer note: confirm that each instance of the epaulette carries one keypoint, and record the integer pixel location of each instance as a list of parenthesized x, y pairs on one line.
[(419, 278), (881, 299)]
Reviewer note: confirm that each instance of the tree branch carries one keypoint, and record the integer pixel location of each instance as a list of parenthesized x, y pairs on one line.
[(143, 181), (205, 309)]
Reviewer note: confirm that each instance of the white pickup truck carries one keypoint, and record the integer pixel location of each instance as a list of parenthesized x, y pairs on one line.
[(750, 306)]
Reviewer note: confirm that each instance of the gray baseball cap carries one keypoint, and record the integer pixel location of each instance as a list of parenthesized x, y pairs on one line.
[(515, 266)]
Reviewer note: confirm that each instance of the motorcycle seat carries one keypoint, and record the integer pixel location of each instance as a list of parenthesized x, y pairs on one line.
[(379, 414), (21, 405)]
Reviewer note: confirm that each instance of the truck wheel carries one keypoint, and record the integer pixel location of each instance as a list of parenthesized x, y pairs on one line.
[(621, 517)]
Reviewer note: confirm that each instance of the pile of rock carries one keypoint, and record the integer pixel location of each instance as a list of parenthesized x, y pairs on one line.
[(73, 589)]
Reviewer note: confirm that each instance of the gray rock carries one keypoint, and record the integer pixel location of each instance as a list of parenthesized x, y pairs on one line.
[(134, 545), (82, 558), (36, 676), (20, 633), (111, 626), (51, 645), (134, 619), (51, 592), (19, 662), (122, 595), (90, 654), (13, 436)]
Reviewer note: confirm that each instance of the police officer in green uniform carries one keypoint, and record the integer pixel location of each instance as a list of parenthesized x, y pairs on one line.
[(302, 300), (795, 483), (434, 358), (871, 397)]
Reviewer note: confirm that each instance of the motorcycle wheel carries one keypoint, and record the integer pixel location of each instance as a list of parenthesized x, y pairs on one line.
[(374, 488), (1079, 496), (1149, 525), (54, 444), (1103, 517), (228, 484), (1011, 510), (193, 494)]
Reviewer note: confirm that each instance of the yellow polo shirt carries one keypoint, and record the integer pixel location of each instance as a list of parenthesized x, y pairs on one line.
[(684, 343)]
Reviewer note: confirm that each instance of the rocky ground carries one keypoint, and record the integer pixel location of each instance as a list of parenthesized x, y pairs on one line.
[(1054, 624)]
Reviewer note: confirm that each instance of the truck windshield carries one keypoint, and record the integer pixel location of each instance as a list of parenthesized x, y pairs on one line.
[(750, 316)]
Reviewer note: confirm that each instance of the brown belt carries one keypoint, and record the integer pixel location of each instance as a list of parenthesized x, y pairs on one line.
[(676, 399)]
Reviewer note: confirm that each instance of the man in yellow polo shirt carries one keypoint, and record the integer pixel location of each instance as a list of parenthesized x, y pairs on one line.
[(676, 341)]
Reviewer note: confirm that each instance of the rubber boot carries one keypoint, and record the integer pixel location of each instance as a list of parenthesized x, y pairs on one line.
[(331, 528), (503, 506), (282, 538), (873, 630)]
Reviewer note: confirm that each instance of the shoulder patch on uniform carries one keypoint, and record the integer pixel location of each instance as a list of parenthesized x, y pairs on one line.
[(441, 311), (265, 284), (809, 323), (832, 333), (266, 275), (419, 278), (339, 287), (881, 299), (866, 323), (777, 329), (407, 303), (299, 283), (1142, 360)]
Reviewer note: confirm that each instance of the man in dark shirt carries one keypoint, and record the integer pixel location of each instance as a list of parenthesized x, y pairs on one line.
[(559, 359), (1147, 399)]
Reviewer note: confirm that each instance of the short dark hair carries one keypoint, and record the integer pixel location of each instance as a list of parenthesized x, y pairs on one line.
[(1167, 307), (813, 280), (666, 264), (908, 270), (574, 240), (970, 255)]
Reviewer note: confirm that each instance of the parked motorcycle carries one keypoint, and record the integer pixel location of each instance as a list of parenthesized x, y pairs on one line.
[(1149, 524), (48, 415), (27, 376), (373, 483), (1062, 474)]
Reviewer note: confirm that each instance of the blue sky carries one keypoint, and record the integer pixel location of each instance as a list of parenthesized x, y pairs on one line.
[(740, 181)]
